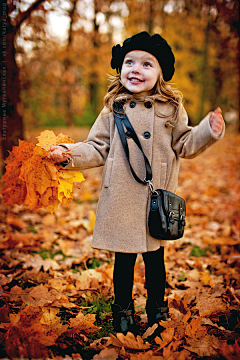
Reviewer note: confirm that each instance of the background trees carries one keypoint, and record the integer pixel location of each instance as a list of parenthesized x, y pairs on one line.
[(12, 17), (51, 81)]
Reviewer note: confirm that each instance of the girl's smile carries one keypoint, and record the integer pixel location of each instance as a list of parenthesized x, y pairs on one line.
[(140, 71)]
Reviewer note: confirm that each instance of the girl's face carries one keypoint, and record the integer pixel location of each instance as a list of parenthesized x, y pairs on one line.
[(140, 71)]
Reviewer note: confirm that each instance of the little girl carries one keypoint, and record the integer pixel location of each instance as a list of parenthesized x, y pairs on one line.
[(144, 64)]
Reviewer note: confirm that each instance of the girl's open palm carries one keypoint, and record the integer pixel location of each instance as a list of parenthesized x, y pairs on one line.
[(216, 121)]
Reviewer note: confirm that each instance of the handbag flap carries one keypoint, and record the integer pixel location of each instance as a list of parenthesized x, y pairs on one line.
[(173, 202)]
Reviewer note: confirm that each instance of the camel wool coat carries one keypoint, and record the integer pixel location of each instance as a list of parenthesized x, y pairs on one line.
[(122, 214)]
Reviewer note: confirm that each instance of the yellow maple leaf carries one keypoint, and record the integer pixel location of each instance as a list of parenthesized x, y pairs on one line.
[(92, 218), (47, 139), (205, 278), (61, 138), (66, 179), (52, 206)]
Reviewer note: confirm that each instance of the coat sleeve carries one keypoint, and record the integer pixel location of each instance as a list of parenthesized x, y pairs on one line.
[(187, 141), (94, 152)]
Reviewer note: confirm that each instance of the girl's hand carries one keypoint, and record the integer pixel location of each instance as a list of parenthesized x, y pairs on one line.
[(216, 121), (56, 154)]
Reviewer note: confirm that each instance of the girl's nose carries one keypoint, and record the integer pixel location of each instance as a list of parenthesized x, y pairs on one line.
[(136, 68)]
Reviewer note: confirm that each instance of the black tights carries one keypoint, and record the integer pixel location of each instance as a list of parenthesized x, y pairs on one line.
[(123, 276)]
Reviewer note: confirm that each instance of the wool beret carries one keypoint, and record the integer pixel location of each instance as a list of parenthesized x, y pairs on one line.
[(154, 44)]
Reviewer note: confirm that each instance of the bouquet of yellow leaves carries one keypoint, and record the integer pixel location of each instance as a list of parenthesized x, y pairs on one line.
[(31, 178)]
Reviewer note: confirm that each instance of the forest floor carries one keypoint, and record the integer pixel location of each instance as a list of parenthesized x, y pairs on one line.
[(56, 291)]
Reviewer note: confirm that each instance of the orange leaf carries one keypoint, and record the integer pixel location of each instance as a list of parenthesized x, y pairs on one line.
[(229, 351), (33, 179), (145, 356), (14, 190), (61, 138), (107, 354), (205, 278), (210, 305), (128, 341), (27, 337), (205, 346), (195, 330), (166, 338), (83, 324)]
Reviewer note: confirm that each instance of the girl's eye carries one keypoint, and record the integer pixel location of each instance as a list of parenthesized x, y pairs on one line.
[(128, 62), (147, 64)]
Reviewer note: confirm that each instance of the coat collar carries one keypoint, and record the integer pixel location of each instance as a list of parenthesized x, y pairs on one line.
[(125, 97)]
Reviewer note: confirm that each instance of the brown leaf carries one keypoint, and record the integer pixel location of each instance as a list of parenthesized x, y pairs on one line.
[(166, 338), (99, 344), (145, 356), (175, 314), (27, 337), (4, 315), (106, 354), (209, 305), (37, 262), (86, 278), (167, 352), (205, 346), (128, 341), (14, 190), (149, 331), (229, 351), (16, 223), (195, 330), (83, 324), (179, 304)]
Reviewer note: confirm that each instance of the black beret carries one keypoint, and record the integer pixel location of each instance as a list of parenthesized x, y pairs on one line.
[(154, 44)]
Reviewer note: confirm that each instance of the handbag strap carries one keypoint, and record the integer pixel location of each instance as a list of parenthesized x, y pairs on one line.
[(121, 120)]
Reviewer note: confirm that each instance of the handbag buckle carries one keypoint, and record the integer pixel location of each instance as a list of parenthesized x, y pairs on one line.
[(171, 216), (150, 184)]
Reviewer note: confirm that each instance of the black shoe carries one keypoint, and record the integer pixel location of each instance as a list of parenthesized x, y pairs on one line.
[(123, 319), (156, 313)]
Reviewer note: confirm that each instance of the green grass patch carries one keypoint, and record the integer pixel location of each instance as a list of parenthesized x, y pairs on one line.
[(96, 305), (198, 252), (46, 254), (183, 276), (93, 201), (93, 263), (101, 307)]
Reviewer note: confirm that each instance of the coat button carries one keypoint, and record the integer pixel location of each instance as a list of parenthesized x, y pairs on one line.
[(148, 105), (147, 135), (132, 104), (128, 134)]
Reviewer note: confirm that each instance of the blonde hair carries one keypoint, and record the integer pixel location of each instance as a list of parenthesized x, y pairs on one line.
[(162, 92)]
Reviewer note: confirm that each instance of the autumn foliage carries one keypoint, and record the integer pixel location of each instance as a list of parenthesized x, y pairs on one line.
[(56, 290), (33, 179)]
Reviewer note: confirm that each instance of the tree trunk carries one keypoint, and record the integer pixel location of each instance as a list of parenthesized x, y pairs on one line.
[(238, 57), (67, 65), (11, 124), (204, 67), (11, 118), (151, 16), (94, 78)]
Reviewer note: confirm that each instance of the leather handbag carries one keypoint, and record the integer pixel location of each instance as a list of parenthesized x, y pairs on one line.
[(167, 212)]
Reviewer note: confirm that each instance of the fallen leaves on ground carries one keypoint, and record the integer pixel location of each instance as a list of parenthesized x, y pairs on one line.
[(56, 290)]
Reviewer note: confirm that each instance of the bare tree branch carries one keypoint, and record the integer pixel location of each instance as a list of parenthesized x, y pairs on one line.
[(25, 15)]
